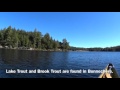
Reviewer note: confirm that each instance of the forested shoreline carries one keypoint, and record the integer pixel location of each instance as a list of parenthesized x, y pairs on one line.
[(21, 39), (114, 48), (12, 38)]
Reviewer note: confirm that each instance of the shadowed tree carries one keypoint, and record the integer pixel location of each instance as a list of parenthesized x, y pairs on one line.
[(65, 44)]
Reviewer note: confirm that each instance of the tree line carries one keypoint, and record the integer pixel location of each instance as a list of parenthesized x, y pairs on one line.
[(114, 48), (18, 38)]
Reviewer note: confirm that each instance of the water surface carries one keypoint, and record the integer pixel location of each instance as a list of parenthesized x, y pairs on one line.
[(34, 60)]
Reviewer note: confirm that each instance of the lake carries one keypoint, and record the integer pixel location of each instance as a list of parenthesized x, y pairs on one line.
[(43, 64)]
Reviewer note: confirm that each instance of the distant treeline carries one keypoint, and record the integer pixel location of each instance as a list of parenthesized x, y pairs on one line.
[(115, 48), (12, 38)]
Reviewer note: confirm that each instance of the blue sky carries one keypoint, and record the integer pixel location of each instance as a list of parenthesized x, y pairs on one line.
[(81, 29)]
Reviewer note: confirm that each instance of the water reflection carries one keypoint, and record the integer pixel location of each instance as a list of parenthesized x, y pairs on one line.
[(9, 56)]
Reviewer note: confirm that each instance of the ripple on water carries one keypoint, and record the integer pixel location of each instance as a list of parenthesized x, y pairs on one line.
[(14, 59)]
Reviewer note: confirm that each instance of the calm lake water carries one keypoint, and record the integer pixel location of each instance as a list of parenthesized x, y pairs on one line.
[(37, 60)]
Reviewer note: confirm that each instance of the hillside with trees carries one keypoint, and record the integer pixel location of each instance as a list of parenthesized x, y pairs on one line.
[(20, 39)]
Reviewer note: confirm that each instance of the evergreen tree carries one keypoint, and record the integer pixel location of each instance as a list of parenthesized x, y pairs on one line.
[(65, 44), (20, 38)]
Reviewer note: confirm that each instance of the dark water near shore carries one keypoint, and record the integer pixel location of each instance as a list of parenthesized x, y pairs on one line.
[(34, 60)]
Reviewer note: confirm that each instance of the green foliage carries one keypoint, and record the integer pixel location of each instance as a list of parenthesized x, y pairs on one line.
[(65, 44), (12, 37)]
